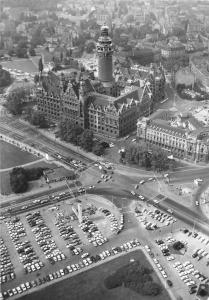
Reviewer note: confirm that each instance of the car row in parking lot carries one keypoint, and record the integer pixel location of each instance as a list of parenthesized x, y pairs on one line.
[(92, 232), (146, 216), (185, 271), (198, 253), (44, 238), (163, 247), (6, 267), (160, 268), (162, 217), (196, 235), (86, 261), (67, 231), (27, 255), (115, 225)]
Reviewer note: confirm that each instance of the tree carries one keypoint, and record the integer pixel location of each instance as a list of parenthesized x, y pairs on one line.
[(36, 78), (151, 288), (5, 78), (32, 51), (68, 53), (159, 160), (147, 160), (86, 140), (178, 245), (98, 149), (40, 65), (38, 119), (37, 37), (21, 49), (18, 180), (15, 100), (90, 47), (69, 131)]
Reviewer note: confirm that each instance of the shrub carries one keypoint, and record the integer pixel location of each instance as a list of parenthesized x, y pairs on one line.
[(178, 245), (34, 174), (151, 288), (136, 277), (113, 281), (18, 180), (98, 149)]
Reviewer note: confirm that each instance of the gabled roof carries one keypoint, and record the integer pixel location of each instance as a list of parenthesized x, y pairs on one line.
[(135, 94), (101, 99)]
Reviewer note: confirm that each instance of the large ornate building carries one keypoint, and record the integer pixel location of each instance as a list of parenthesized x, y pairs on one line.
[(111, 113), (181, 135)]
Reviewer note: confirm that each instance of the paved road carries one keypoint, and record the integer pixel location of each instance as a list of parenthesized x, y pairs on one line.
[(189, 175), (24, 165)]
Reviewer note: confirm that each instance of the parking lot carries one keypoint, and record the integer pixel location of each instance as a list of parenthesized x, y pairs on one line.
[(190, 263), (37, 246), (153, 219)]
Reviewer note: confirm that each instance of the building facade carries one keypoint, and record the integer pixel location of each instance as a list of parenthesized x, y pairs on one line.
[(173, 50), (105, 115), (182, 136), (107, 112), (200, 68), (156, 81)]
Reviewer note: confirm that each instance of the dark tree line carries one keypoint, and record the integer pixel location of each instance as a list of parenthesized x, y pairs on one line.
[(5, 78), (16, 99), (19, 178), (149, 158), (72, 133)]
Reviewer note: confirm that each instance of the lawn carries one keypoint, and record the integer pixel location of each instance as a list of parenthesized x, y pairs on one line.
[(25, 65), (12, 156), (5, 188), (89, 285)]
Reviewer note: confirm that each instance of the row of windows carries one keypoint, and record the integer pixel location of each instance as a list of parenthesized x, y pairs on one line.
[(92, 126), (55, 113), (174, 144)]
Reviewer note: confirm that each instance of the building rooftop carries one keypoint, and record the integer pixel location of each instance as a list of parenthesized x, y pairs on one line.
[(179, 124), (202, 63)]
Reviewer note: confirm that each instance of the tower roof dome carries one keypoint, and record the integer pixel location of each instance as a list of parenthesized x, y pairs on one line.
[(104, 30)]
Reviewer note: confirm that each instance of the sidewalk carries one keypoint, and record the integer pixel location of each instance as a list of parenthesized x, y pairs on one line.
[(204, 202), (45, 188), (52, 137), (24, 165)]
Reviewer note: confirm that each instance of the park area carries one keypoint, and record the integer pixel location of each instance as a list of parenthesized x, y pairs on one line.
[(11, 156), (24, 65), (89, 285)]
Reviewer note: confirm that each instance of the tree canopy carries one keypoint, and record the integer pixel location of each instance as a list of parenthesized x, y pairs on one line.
[(15, 100), (90, 47), (21, 49), (40, 65), (5, 78), (136, 277), (73, 133), (86, 140), (38, 119), (18, 180), (149, 158)]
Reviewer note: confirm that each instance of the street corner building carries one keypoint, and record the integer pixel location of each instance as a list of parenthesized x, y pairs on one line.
[(180, 134), (107, 111)]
